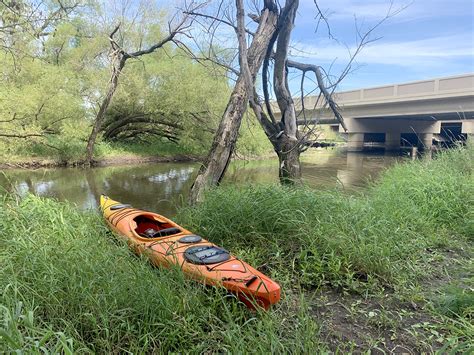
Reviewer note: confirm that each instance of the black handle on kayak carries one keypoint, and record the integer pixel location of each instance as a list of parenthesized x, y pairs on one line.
[(249, 282)]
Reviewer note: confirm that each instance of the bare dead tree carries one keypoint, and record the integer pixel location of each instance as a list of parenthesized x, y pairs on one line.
[(286, 143), (287, 140), (250, 60), (119, 57)]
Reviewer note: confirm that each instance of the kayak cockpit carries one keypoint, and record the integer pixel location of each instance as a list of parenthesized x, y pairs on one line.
[(147, 226)]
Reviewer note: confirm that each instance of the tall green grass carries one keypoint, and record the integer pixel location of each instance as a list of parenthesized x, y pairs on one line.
[(317, 238), (66, 286), (399, 236)]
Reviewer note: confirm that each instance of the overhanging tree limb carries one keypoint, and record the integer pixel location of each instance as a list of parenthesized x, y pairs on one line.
[(322, 87), (24, 136)]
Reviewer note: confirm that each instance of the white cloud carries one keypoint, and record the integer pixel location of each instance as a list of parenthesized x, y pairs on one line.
[(429, 38), (433, 51), (377, 9), (337, 10)]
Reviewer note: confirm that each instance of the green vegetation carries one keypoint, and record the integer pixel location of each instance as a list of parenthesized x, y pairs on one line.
[(54, 124), (390, 269), (52, 86), (396, 244), (334, 239)]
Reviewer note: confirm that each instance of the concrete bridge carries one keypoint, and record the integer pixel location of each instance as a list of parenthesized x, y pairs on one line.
[(414, 113)]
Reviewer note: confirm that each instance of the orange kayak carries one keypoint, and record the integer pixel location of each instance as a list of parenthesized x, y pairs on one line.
[(166, 243)]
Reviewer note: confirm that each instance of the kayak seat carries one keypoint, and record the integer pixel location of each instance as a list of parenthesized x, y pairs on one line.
[(153, 233), (148, 227)]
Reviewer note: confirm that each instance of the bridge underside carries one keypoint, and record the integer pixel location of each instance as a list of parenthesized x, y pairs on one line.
[(414, 130), (394, 132), (398, 130), (415, 113)]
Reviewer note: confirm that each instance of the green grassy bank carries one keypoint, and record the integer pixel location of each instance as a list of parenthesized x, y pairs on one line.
[(69, 148), (387, 270), (63, 153)]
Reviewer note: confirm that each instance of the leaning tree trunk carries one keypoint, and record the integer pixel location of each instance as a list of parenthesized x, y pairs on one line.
[(213, 169), (99, 119), (119, 57), (283, 133), (215, 165)]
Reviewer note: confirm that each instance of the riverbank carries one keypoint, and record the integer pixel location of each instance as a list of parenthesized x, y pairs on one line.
[(32, 163), (107, 154), (390, 269), (127, 159)]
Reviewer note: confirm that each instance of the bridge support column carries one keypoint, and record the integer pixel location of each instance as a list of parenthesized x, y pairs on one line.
[(392, 141), (426, 141), (467, 128), (355, 142)]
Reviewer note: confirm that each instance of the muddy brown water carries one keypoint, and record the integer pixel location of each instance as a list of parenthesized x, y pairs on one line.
[(163, 187)]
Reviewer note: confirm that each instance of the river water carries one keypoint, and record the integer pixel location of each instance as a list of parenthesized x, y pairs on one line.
[(163, 187)]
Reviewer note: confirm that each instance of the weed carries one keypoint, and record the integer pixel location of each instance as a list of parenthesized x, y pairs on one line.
[(66, 287)]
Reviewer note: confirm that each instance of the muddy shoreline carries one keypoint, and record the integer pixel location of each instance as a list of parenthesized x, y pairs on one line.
[(123, 160)]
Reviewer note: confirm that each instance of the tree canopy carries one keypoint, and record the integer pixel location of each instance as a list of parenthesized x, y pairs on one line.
[(54, 81)]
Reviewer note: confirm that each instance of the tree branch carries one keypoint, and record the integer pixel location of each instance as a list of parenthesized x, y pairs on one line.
[(22, 136), (317, 72)]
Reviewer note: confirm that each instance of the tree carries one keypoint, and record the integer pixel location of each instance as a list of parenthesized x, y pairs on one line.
[(283, 134), (36, 98), (118, 58), (287, 141), (41, 91), (250, 59), (157, 101), (52, 87)]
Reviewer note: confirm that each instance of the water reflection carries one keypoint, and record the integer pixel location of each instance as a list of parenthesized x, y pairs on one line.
[(360, 168), (164, 186)]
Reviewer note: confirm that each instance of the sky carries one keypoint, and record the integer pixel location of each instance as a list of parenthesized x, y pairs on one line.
[(426, 39)]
